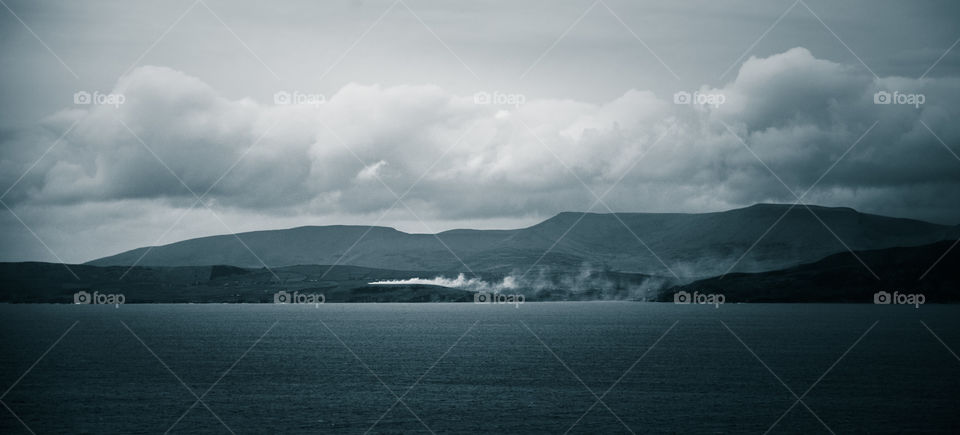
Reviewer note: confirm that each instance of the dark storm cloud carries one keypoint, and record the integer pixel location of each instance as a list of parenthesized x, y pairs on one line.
[(399, 110), (798, 113)]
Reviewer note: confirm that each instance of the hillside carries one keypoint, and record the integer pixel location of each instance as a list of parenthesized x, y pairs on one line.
[(842, 278)]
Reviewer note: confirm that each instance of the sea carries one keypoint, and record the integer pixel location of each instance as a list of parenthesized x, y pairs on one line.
[(551, 368)]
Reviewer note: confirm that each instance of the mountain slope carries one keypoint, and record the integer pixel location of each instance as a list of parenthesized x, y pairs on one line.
[(843, 278), (689, 245), (377, 247), (709, 243)]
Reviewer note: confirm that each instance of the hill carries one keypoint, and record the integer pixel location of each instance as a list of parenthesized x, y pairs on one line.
[(842, 278), (54, 283)]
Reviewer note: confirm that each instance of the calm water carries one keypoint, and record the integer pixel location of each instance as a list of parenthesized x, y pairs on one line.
[(332, 369)]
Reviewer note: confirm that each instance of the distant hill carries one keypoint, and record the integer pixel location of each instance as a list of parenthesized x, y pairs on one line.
[(690, 245), (34, 282), (835, 278), (842, 278)]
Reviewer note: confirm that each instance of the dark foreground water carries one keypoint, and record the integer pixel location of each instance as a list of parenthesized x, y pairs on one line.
[(461, 368)]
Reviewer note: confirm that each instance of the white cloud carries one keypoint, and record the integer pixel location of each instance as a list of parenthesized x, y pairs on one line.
[(371, 172)]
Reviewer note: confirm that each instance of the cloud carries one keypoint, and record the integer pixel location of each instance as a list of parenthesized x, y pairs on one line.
[(371, 172), (454, 159)]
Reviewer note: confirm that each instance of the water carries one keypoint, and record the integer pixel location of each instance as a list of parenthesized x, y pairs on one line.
[(302, 377)]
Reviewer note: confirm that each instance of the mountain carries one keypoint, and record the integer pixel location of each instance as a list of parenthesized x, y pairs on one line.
[(843, 278), (380, 247), (688, 245)]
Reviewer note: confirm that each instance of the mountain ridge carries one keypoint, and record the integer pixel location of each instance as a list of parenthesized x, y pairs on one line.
[(750, 239)]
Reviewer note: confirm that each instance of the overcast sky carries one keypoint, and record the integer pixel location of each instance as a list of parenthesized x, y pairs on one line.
[(388, 99)]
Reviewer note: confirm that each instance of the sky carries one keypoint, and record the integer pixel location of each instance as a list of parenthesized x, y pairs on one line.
[(128, 124)]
